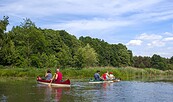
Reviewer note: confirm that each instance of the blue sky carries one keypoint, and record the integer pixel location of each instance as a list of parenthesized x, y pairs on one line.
[(144, 26)]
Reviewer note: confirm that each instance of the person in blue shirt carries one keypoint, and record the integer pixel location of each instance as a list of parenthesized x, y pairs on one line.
[(97, 76), (48, 75)]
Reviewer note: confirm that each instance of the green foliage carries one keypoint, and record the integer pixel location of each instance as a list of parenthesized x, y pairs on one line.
[(142, 62), (158, 62), (4, 45), (171, 60), (28, 46), (3, 26), (155, 61), (85, 57), (109, 54)]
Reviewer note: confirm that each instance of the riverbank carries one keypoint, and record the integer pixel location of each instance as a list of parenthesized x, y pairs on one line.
[(127, 73)]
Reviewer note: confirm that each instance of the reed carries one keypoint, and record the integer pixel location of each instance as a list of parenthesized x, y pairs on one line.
[(125, 73)]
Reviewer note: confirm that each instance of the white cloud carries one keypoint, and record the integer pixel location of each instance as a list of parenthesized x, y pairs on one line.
[(136, 10), (145, 36), (87, 15), (168, 33), (94, 24), (160, 44), (156, 43), (168, 39), (134, 42)]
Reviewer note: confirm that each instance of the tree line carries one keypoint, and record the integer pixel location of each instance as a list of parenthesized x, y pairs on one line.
[(156, 61), (29, 46)]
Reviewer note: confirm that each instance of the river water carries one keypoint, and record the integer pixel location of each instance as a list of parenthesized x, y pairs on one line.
[(123, 91)]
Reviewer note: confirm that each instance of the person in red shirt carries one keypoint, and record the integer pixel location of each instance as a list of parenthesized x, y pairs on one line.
[(105, 76), (58, 76)]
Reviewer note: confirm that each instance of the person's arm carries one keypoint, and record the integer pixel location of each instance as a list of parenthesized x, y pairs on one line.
[(98, 76), (101, 78), (46, 74), (113, 77), (107, 74), (56, 77)]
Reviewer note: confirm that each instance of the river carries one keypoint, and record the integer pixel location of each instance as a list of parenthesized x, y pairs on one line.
[(123, 91)]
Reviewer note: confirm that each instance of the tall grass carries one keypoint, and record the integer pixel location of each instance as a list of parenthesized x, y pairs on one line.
[(126, 73)]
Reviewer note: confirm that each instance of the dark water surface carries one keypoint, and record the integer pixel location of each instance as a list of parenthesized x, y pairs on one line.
[(124, 91)]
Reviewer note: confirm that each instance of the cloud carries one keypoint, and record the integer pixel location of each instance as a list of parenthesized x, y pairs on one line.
[(145, 36), (122, 10), (156, 43), (95, 24), (168, 39), (78, 15), (134, 42), (151, 40), (160, 44), (168, 33)]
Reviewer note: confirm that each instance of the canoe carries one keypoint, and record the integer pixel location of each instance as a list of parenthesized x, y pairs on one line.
[(116, 80), (65, 83), (104, 81)]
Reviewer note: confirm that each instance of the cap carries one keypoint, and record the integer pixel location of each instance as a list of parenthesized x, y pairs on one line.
[(110, 72)]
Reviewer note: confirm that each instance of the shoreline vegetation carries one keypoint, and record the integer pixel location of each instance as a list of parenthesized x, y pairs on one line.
[(125, 73), (28, 45)]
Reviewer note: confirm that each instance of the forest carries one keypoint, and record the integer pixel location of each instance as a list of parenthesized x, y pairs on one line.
[(27, 45)]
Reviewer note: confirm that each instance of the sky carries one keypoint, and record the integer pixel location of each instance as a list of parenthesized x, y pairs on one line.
[(144, 26)]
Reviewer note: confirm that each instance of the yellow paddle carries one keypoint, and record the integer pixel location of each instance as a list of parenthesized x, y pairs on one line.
[(52, 79)]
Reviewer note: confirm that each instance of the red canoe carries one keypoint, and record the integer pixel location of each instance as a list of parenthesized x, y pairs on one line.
[(65, 83)]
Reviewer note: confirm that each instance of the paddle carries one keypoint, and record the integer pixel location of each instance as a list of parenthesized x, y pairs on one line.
[(52, 79)]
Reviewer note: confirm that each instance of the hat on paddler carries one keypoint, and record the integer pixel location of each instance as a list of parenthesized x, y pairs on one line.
[(110, 72)]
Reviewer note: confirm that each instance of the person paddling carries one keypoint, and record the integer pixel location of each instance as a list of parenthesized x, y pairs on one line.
[(58, 75), (105, 76), (97, 76)]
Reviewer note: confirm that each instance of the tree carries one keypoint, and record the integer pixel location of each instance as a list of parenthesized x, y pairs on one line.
[(7, 49), (3, 26), (124, 56), (29, 43), (86, 57), (171, 60), (64, 56), (109, 54), (158, 62), (142, 62)]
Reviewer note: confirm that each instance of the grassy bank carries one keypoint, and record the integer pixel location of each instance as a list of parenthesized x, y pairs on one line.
[(127, 73)]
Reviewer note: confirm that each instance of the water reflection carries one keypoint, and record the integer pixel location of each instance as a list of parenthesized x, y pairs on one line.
[(47, 93), (123, 91), (3, 98), (53, 94), (107, 86), (59, 91)]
